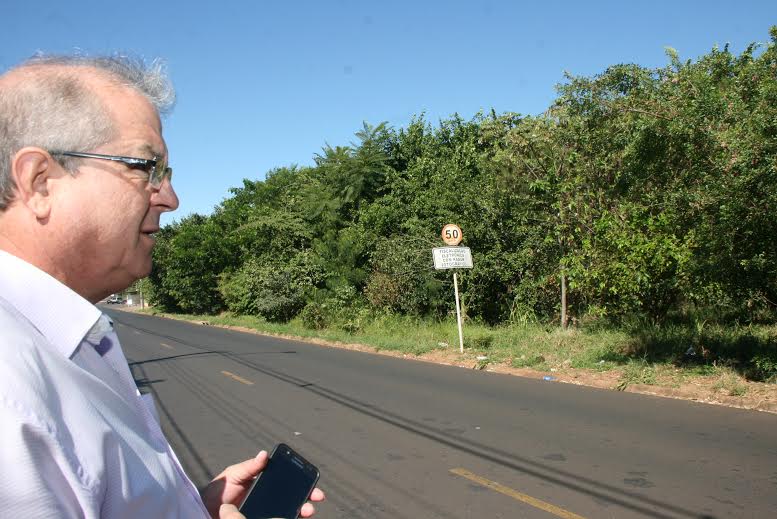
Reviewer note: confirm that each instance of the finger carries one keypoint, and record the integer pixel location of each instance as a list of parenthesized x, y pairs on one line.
[(307, 510), (230, 512), (317, 495), (247, 470)]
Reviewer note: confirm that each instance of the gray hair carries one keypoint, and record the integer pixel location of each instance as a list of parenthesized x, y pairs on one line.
[(53, 108)]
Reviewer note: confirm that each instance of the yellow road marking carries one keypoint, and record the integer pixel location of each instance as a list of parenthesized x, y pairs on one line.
[(239, 379), (529, 500), (167, 346)]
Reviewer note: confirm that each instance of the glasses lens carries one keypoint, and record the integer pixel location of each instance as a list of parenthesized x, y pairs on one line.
[(159, 173)]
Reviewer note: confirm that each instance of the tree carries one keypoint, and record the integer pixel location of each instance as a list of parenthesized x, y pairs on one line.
[(188, 259)]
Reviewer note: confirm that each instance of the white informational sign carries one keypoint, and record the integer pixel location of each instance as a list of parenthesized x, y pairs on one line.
[(452, 258)]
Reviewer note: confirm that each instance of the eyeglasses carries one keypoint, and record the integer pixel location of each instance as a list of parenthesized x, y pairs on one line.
[(156, 169)]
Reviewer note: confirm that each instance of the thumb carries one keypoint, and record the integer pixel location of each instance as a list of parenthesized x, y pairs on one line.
[(247, 470), (227, 511)]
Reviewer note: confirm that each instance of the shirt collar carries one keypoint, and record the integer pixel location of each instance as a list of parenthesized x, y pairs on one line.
[(98, 335), (62, 316)]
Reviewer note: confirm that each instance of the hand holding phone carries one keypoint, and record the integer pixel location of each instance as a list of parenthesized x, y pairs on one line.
[(282, 487)]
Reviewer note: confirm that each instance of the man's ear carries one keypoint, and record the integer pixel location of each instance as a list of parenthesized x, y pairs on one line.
[(32, 169)]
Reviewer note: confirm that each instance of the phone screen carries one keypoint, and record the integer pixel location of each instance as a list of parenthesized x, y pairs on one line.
[(282, 487)]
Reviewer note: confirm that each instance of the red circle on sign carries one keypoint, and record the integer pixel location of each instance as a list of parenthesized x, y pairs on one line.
[(451, 234)]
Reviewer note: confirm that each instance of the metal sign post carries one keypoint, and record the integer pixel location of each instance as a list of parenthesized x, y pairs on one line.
[(453, 257), (458, 312)]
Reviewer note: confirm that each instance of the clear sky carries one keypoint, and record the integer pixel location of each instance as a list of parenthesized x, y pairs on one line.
[(264, 84)]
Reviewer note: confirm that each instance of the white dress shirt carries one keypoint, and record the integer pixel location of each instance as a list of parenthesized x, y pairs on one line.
[(77, 439)]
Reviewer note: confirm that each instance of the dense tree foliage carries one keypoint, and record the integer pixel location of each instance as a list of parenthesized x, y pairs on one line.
[(639, 192)]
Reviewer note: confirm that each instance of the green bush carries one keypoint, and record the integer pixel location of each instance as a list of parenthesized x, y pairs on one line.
[(402, 279), (766, 366), (352, 326), (276, 292), (315, 316)]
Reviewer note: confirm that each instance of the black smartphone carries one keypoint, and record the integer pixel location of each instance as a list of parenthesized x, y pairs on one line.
[(282, 487)]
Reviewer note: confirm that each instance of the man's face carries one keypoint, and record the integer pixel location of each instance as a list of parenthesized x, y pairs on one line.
[(111, 207)]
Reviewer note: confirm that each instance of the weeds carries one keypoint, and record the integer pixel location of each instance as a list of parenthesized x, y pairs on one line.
[(637, 372), (730, 383)]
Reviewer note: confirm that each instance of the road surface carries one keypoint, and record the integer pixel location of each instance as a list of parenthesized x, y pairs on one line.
[(398, 438)]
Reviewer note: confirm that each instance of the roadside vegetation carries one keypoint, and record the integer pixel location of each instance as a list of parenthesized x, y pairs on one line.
[(630, 226), (630, 354)]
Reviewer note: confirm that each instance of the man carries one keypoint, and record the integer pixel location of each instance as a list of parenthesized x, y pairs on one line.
[(83, 182)]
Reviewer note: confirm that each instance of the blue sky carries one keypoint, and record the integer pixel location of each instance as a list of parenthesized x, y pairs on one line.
[(265, 84)]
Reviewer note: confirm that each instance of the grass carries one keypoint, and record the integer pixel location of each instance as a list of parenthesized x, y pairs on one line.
[(730, 384), (643, 353), (637, 372)]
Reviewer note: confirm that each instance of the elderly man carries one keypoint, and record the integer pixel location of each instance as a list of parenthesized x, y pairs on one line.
[(83, 181)]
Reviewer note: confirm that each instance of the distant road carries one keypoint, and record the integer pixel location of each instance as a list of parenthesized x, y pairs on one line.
[(401, 439)]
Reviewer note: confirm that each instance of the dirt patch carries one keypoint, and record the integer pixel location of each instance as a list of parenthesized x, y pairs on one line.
[(726, 389)]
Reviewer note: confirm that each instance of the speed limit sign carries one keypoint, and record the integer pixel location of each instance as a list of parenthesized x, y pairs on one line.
[(451, 234)]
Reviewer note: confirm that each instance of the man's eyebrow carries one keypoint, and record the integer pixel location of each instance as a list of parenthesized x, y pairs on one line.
[(149, 150)]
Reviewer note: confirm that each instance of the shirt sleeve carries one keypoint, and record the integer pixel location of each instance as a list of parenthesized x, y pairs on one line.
[(42, 479)]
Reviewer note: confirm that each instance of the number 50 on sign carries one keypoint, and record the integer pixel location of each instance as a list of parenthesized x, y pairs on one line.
[(451, 234)]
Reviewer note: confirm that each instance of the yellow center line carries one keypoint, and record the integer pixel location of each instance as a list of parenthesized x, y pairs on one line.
[(238, 378), (167, 346), (529, 500)]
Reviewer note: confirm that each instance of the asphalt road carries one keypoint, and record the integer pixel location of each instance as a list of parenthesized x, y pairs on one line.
[(398, 438)]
